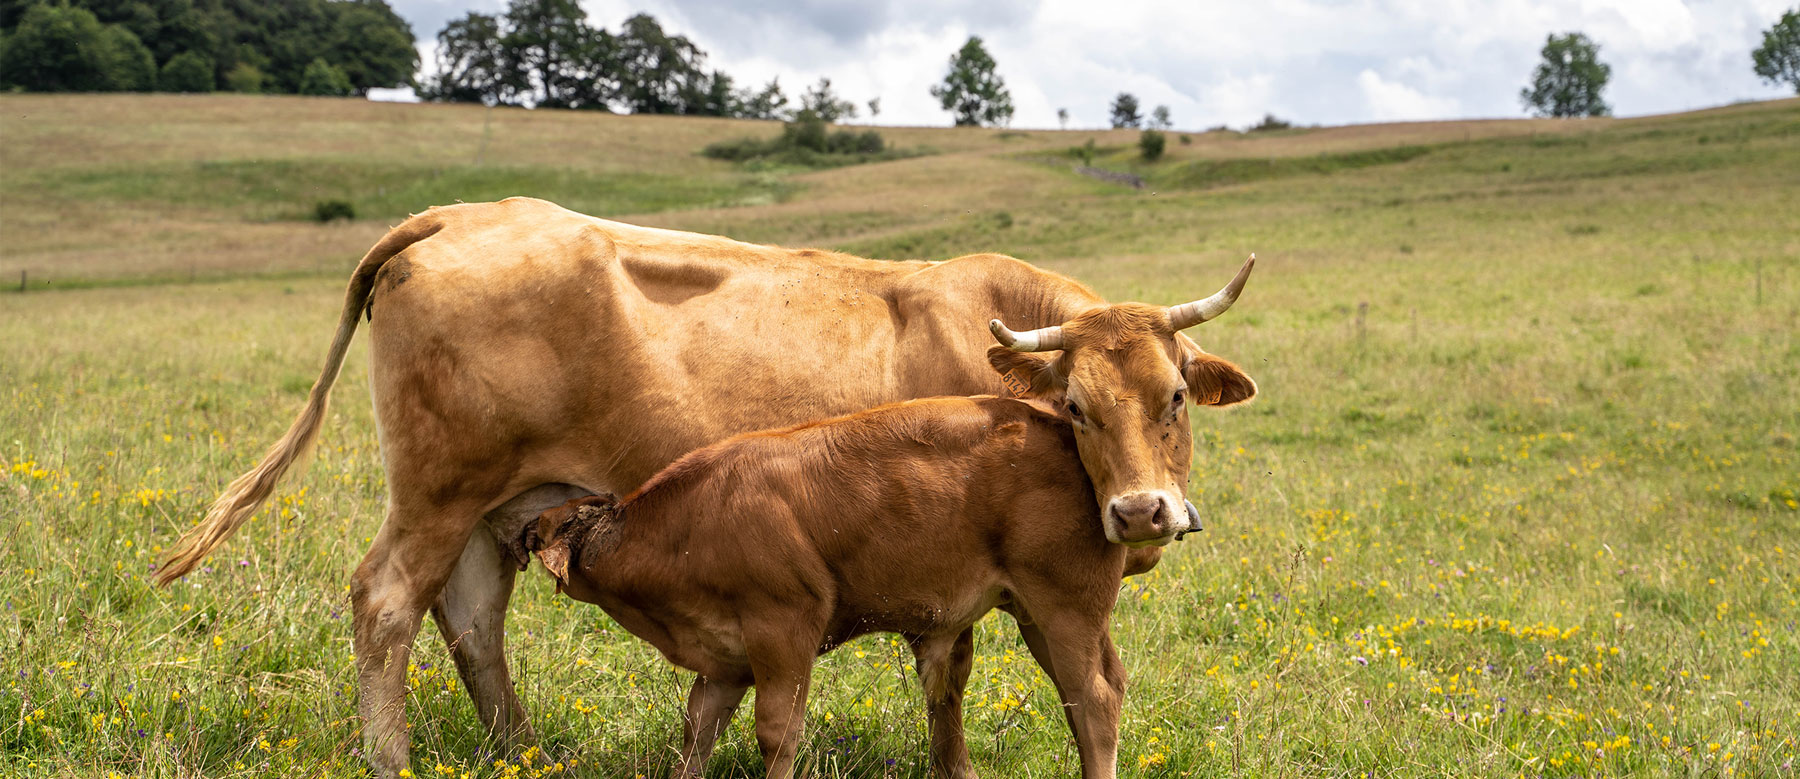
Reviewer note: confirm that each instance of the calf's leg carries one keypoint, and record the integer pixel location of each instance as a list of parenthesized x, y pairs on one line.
[(1091, 681), (781, 657), (414, 552), (471, 614), (781, 718), (944, 663), (711, 703)]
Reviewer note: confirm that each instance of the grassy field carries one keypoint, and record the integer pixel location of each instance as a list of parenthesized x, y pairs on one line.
[(1518, 498)]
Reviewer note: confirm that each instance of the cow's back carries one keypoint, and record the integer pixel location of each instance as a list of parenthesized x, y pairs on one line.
[(593, 352)]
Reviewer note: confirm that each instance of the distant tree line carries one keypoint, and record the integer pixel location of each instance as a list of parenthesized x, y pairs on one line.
[(335, 47), (545, 53)]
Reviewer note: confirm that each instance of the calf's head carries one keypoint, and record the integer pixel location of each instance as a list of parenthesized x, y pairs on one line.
[(559, 535), (1125, 375)]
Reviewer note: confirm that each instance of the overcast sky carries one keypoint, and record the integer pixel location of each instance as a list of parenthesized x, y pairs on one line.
[(1309, 61)]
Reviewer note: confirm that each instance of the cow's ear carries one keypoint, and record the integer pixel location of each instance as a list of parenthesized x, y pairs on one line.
[(1214, 381), (1025, 374)]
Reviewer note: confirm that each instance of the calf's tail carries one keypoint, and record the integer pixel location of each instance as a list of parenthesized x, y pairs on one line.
[(246, 494)]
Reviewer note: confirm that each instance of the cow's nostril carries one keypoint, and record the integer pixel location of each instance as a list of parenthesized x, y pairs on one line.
[(1120, 524)]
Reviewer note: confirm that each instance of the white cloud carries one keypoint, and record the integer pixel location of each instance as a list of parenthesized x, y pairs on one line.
[(1394, 101), (1311, 61)]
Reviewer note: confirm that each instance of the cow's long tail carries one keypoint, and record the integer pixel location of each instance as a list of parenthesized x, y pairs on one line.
[(246, 494)]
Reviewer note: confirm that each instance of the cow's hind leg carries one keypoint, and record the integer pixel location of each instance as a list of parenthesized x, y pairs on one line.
[(471, 611), (471, 614), (417, 547), (944, 663)]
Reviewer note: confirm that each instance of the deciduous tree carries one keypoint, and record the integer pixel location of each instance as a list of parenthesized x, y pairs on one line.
[(187, 72), (364, 38), (553, 57), (471, 63), (126, 61), (65, 49), (324, 79), (1125, 111), (1777, 60), (826, 104), (1569, 81), (973, 91), (372, 45), (658, 72), (765, 103)]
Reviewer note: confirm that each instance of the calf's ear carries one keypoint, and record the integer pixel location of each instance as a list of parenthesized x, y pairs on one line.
[(1025, 374), (556, 560), (545, 537), (1214, 381)]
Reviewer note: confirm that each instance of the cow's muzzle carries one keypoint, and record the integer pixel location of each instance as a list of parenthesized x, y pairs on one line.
[(1144, 519)]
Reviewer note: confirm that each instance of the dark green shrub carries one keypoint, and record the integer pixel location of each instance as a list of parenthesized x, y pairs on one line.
[(737, 149), (1269, 122), (806, 141), (329, 210), (1151, 144), (806, 131)]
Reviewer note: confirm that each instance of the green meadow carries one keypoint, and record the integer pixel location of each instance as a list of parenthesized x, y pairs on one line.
[(1518, 497)]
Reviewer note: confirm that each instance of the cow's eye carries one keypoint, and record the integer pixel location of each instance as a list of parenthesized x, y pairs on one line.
[(1075, 411), (1180, 397)]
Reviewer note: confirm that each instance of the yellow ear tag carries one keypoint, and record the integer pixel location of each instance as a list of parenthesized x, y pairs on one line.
[(1015, 387)]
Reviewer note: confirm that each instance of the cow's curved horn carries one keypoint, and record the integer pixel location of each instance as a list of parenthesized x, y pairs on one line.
[(1043, 339), (1187, 315)]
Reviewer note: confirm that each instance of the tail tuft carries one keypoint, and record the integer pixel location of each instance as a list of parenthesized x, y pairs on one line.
[(246, 493)]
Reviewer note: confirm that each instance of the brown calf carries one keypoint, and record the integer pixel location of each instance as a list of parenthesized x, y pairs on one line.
[(746, 559)]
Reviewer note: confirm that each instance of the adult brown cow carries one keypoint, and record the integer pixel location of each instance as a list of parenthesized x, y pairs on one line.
[(522, 354)]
